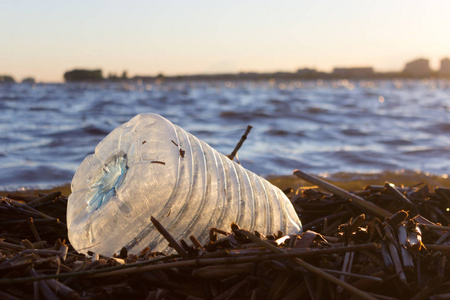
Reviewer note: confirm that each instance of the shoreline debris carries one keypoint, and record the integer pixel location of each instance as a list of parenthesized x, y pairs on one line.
[(394, 245)]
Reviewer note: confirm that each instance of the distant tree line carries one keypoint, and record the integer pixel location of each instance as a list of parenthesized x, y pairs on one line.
[(10, 79), (92, 75), (6, 79), (415, 69), (418, 68), (83, 75)]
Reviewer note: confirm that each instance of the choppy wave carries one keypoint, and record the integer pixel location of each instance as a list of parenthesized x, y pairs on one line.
[(322, 127)]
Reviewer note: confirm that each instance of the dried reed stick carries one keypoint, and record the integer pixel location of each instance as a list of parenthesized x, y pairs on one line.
[(309, 267), (172, 242), (232, 155), (358, 201)]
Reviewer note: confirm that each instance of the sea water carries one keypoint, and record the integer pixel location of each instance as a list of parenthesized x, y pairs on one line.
[(322, 127)]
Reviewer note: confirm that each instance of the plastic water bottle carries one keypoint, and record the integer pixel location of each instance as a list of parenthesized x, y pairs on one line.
[(151, 167)]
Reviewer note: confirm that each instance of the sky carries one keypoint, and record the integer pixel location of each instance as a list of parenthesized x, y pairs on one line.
[(43, 39)]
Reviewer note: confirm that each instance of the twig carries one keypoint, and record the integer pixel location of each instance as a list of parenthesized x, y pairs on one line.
[(26, 262), (309, 267), (296, 292), (360, 202), (35, 221), (443, 238), (407, 259), (28, 208), (223, 270), (391, 244), (40, 252), (62, 290), (44, 288), (327, 218), (435, 227), (64, 249), (228, 294), (279, 286), (239, 145), (5, 295), (381, 297), (388, 263), (154, 265), (172, 242), (14, 247), (33, 229), (195, 242), (346, 268), (47, 197), (401, 197), (373, 278), (433, 247)]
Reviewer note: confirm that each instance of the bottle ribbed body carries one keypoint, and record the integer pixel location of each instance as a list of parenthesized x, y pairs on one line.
[(151, 167)]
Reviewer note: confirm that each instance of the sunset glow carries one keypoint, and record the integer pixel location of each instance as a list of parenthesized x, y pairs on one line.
[(44, 39)]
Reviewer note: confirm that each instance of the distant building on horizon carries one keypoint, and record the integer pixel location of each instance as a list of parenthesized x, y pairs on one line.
[(418, 68), (359, 72), (307, 72), (83, 75), (29, 80), (444, 71)]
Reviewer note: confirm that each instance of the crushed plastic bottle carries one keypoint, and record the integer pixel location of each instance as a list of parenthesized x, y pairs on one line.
[(151, 167)]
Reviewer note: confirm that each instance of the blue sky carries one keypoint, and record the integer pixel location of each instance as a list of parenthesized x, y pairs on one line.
[(45, 38)]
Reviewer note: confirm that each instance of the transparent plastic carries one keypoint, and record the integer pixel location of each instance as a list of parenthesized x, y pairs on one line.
[(151, 167)]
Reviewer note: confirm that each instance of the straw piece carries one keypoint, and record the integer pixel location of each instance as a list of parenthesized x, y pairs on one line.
[(435, 227), (392, 247), (30, 209), (33, 229), (155, 265), (7, 245), (326, 218), (62, 290), (346, 268), (223, 270), (233, 154), (296, 292), (47, 197), (279, 285), (5, 295), (443, 238), (433, 247), (44, 288), (360, 202), (228, 294), (401, 197), (309, 267), (372, 278), (407, 259), (195, 242), (172, 242)]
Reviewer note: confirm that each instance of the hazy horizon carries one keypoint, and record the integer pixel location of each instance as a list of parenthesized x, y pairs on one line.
[(46, 38)]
